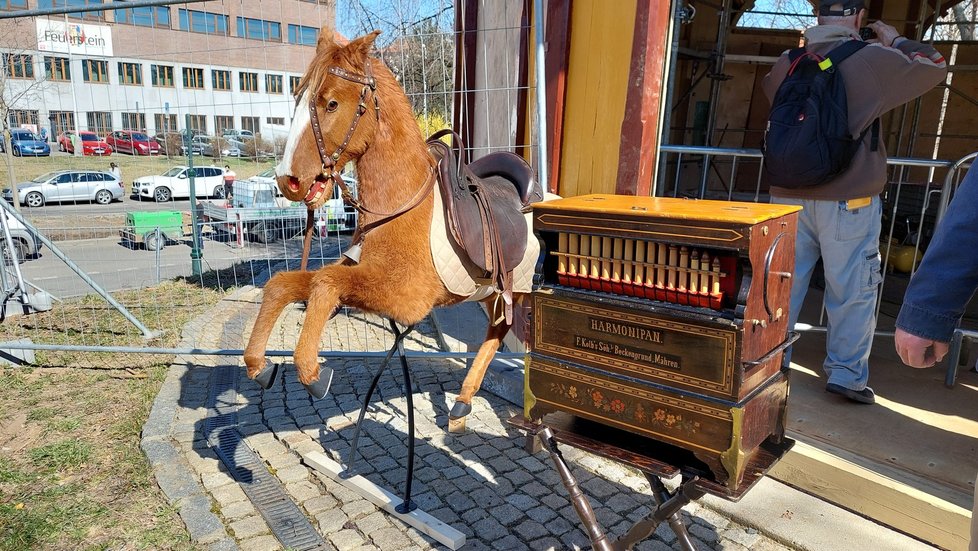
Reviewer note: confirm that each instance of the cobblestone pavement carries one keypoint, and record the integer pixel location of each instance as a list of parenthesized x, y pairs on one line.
[(482, 483)]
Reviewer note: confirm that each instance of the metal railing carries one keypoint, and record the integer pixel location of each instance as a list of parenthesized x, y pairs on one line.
[(737, 174)]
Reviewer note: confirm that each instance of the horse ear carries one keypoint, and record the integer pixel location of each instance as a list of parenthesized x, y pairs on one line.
[(326, 44), (359, 49)]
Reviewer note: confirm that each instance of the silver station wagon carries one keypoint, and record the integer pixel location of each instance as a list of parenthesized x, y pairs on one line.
[(68, 186)]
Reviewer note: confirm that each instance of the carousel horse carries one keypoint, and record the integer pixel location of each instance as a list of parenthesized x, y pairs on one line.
[(432, 231)]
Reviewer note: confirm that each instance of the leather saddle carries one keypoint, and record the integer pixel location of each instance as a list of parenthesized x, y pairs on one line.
[(485, 202)]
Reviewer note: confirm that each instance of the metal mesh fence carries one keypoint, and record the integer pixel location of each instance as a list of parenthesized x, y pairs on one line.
[(223, 75)]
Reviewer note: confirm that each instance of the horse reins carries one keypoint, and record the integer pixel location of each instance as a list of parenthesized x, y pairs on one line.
[(329, 174)]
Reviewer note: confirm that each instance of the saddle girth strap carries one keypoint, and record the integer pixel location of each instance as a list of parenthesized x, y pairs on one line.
[(307, 239)]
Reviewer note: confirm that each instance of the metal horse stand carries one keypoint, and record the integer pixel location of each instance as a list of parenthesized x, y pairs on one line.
[(348, 469), (668, 505)]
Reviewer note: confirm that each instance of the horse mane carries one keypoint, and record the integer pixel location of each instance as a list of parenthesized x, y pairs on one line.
[(393, 101)]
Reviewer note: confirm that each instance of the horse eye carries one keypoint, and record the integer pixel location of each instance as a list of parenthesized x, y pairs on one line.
[(332, 105)]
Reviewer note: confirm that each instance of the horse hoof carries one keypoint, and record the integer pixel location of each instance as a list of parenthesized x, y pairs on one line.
[(266, 377), (318, 388), (460, 409)]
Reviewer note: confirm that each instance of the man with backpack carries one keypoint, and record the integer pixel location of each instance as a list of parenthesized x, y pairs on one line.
[(823, 151)]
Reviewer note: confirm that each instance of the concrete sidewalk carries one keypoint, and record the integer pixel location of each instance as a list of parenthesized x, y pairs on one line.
[(481, 483)]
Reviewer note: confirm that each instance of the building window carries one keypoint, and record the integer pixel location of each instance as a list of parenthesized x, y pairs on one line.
[(222, 123), (259, 29), (273, 84), (130, 73), (97, 15), (221, 80), (95, 70), (133, 121), (19, 65), (165, 123), (248, 81), (304, 36), (23, 116), (156, 16), (63, 121), (99, 122), (294, 84), (203, 22), (193, 77), (57, 68), (162, 75), (198, 123), (250, 123), (13, 4), (275, 120)]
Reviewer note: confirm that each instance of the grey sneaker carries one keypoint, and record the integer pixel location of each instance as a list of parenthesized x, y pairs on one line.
[(864, 396)]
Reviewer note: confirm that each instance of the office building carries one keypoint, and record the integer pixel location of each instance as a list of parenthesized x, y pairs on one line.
[(225, 65)]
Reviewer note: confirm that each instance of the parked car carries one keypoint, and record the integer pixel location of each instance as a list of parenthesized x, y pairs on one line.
[(267, 177), (175, 184), (231, 133), (68, 185), (179, 146), (91, 143), (25, 142), (26, 243), (133, 143), (208, 146)]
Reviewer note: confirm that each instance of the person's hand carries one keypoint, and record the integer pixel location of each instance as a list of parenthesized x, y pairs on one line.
[(885, 33), (917, 351)]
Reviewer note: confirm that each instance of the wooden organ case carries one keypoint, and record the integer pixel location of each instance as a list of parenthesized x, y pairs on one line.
[(668, 319)]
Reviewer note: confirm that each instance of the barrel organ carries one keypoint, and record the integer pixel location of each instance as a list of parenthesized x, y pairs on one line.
[(667, 318)]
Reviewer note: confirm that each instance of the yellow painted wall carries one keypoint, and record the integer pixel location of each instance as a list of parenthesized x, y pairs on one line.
[(600, 55)]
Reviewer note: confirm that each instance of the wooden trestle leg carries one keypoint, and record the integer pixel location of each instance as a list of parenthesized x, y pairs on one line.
[(668, 505)]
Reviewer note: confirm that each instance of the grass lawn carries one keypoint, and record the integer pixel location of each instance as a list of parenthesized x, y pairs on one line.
[(72, 475)]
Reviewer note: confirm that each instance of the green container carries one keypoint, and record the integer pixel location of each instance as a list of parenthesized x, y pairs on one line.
[(170, 222)]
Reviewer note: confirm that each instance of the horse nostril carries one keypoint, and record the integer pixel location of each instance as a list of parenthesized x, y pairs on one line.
[(294, 184)]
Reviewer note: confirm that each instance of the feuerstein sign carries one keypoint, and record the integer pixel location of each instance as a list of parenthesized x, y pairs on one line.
[(74, 38)]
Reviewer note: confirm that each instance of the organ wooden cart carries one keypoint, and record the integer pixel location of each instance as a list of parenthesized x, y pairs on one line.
[(659, 330)]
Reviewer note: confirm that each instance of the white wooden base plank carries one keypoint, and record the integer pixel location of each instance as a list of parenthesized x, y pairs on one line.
[(429, 525)]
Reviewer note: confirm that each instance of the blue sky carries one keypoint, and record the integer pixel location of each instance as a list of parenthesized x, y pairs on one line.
[(355, 17)]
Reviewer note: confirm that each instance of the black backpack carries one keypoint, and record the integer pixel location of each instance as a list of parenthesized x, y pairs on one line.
[(807, 141)]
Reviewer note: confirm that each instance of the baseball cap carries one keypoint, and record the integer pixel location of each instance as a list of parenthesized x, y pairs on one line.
[(849, 7)]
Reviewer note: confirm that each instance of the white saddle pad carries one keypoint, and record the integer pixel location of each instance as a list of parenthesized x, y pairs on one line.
[(456, 270)]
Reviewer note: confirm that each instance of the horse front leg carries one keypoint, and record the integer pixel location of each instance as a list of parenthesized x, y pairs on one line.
[(281, 290), (473, 379), (323, 300)]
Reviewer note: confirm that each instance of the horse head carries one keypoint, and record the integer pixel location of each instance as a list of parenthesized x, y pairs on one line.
[(337, 115)]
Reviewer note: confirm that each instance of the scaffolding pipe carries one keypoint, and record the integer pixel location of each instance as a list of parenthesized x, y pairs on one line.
[(93, 7), (541, 95)]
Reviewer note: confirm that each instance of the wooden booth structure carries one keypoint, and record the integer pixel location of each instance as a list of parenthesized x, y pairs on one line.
[(663, 99)]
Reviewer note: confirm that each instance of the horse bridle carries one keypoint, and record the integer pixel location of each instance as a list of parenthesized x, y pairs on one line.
[(330, 161)]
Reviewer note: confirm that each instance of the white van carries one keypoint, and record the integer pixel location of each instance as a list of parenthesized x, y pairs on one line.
[(175, 184)]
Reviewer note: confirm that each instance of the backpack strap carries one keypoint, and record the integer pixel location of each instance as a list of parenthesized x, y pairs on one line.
[(841, 52), (837, 56)]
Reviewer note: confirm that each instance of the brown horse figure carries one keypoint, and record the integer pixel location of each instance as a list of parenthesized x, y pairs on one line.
[(396, 276)]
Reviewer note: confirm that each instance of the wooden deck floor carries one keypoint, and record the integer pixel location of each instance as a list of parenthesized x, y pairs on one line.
[(909, 461)]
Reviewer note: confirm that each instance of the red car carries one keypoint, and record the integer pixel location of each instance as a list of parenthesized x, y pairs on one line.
[(132, 142), (91, 143)]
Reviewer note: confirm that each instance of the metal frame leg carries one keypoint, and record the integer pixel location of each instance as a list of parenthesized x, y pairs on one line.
[(348, 468), (407, 505)]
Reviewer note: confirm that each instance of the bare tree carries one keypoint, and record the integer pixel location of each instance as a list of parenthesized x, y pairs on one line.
[(417, 43), (23, 79)]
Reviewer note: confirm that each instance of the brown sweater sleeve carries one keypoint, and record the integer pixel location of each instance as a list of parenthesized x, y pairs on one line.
[(904, 77)]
